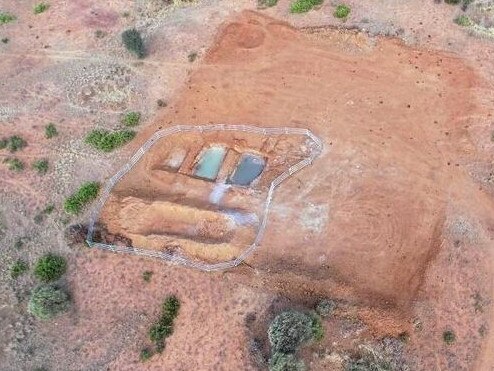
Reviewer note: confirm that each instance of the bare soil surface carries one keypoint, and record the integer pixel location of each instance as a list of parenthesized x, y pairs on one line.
[(393, 221)]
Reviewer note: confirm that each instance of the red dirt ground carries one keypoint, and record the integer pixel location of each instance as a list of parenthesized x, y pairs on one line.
[(395, 218), (371, 216)]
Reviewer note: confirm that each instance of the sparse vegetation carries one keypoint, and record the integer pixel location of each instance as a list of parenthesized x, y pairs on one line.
[(5, 40), (133, 42), (303, 6), (161, 103), (325, 307), (145, 354), (50, 267), (452, 2), (50, 131), (146, 276), (41, 166), (85, 194), (40, 8), (99, 34), (14, 164), (266, 3), (163, 328), (463, 20), (449, 337), (13, 144), (131, 119), (107, 141), (6, 18), (285, 362), (342, 11), (47, 301), (18, 269), (192, 57), (41, 215)]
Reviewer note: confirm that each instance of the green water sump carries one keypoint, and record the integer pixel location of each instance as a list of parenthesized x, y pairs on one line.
[(210, 162)]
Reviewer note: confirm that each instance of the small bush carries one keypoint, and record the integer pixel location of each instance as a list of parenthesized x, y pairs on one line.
[(50, 267), (6, 18), (164, 326), (40, 8), (266, 3), (289, 330), (47, 301), (161, 103), (325, 307), (13, 144), (5, 40), (146, 276), (449, 337), (285, 362), (18, 269), (14, 164), (133, 42), (50, 131), (452, 2), (106, 141), (342, 11), (463, 20), (171, 306), (41, 166), (145, 355), (85, 194), (192, 57), (303, 6), (317, 328), (131, 119)]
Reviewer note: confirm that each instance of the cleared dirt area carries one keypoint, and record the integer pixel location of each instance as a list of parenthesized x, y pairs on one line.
[(394, 220)]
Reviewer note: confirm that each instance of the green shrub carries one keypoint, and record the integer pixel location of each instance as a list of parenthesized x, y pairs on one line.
[(40, 8), (18, 269), (171, 306), (6, 18), (107, 141), (85, 194), (131, 119), (164, 326), (146, 354), (317, 328), (133, 42), (50, 267), (463, 20), (13, 144), (289, 330), (325, 307), (14, 164), (5, 40), (50, 131), (47, 301), (303, 6), (449, 337), (285, 362), (342, 11), (452, 2), (41, 166), (266, 3)]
